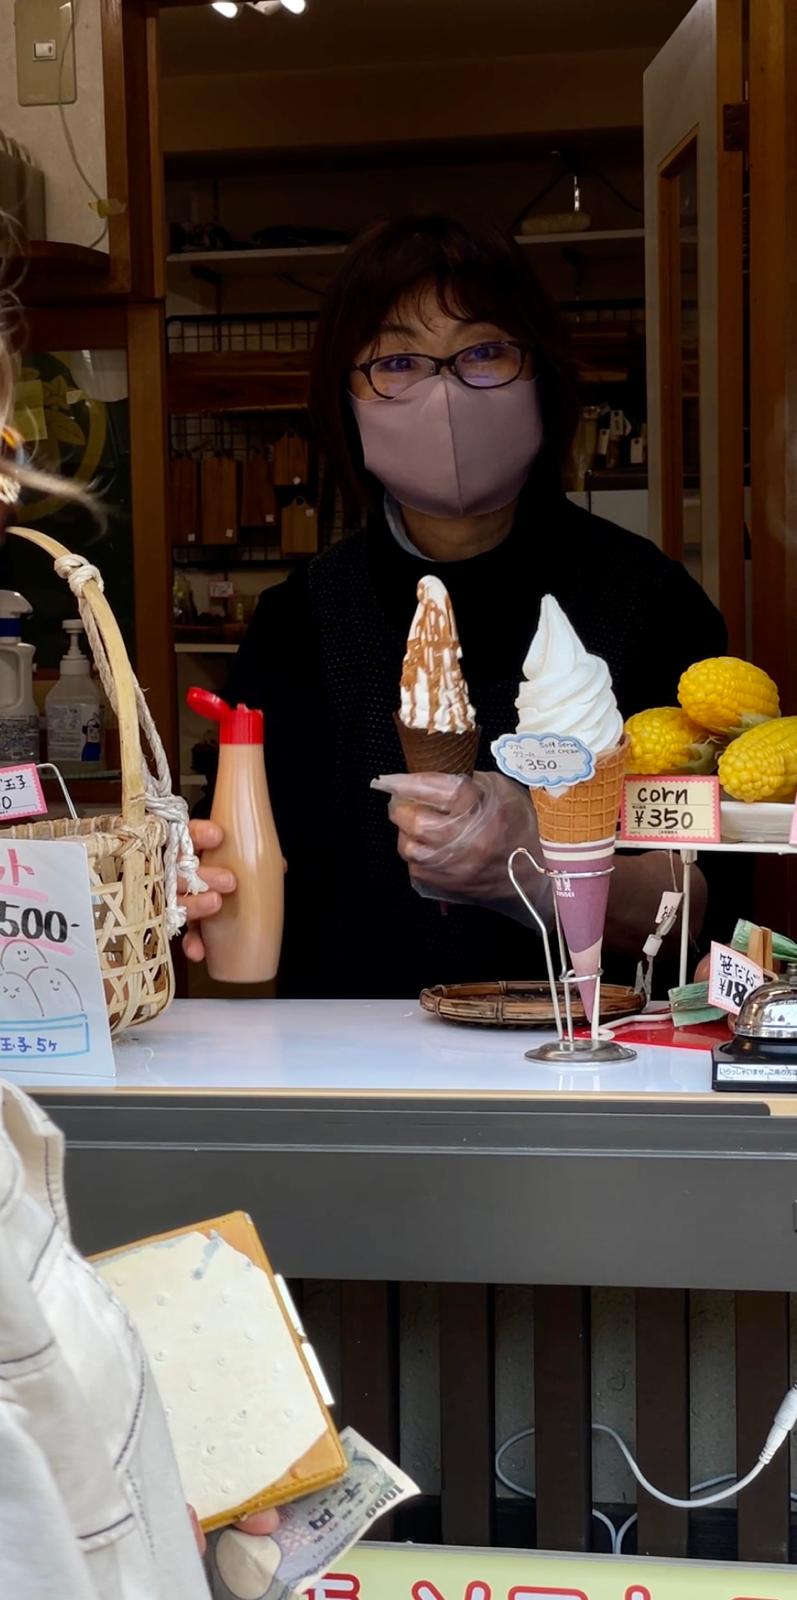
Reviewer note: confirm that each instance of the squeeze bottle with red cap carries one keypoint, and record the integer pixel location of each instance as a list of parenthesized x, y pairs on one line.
[(243, 940)]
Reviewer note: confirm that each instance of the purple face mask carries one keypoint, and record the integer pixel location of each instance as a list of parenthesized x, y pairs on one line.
[(449, 450)]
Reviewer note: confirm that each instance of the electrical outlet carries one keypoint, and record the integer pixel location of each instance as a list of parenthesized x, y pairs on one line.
[(45, 43)]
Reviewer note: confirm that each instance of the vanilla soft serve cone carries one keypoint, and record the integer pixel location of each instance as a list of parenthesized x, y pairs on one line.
[(566, 691)]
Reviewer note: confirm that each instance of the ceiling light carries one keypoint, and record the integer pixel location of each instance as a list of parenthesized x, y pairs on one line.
[(226, 8), (296, 6)]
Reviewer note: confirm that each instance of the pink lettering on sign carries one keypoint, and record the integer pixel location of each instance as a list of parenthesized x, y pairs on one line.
[(21, 793), (637, 1593)]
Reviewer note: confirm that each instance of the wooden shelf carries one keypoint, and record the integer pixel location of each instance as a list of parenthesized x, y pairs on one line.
[(51, 270), (251, 263), (239, 380), (255, 263), (200, 649), (589, 236)]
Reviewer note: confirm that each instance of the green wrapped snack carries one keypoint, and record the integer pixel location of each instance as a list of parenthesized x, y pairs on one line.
[(783, 949), (689, 1006)]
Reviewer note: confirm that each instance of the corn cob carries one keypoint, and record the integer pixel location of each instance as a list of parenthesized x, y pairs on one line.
[(728, 696), (665, 739), (762, 763)]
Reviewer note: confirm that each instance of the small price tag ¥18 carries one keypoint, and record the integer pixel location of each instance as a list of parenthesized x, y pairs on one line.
[(21, 793), (683, 810), (543, 760), (732, 977)]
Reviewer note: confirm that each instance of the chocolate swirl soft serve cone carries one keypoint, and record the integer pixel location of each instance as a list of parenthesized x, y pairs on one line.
[(436, 723), (569, 692)]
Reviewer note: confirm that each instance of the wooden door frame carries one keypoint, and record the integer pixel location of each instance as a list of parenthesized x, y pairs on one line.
[(713, 32), (773, 340), (670, 356)]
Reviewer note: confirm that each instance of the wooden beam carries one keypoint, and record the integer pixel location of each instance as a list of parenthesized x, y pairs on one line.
[(762, 1378), (467, 1413), (369, 1369), (662, 1417), (146, 197), (152, 567), (563, 1419)]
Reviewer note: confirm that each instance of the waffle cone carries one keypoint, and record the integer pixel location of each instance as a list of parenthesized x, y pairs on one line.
[(589, 810), (438, 752)]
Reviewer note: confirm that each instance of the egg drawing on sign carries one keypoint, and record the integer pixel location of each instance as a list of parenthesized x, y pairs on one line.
[(55, 992), (18, 1002), (21, 957)]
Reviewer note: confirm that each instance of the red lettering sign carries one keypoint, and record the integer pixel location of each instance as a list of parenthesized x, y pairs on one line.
[(336, 1586), (430, 1591), (525, 1593)]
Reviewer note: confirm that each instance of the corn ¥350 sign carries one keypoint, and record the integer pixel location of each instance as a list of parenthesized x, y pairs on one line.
[(415, 1573)]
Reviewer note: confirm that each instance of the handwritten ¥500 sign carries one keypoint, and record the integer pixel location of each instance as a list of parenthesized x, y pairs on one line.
[(684, 811), (52, 1006)]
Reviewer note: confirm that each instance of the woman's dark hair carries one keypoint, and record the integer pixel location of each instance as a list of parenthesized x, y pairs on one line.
[(480, 274)]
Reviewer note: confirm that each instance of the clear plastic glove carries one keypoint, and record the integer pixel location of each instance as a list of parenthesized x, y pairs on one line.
[(457, 834)]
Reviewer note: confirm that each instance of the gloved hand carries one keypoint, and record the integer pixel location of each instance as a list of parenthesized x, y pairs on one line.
[(457, 834)]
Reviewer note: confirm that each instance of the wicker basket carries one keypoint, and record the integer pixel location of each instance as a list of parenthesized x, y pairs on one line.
[(520, 1005), (126, 854)]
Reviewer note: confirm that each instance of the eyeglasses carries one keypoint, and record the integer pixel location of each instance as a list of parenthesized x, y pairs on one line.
[(480, 366)]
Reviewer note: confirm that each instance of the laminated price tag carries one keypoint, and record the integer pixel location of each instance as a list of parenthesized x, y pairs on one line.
[(684, 811), (21, 793), (543, 760), (793, 832), (732, 978)]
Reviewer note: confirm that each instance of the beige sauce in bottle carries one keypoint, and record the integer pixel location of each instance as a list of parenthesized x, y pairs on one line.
[(243, 941)]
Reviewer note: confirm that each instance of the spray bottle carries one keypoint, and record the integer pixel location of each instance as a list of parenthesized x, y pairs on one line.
[(75, 710), (244, 939), (19, 717)]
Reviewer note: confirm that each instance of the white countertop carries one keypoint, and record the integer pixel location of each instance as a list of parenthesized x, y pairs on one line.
[(337, 1047)]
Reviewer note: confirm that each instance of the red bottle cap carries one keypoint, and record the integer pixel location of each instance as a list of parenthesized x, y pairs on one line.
[(236, 726)]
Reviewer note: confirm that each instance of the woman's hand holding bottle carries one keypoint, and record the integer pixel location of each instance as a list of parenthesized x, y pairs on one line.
[(220, 881)]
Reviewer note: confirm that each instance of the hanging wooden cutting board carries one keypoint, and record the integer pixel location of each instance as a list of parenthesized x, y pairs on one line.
[(291, 460), (258, 501), (299, 529), (219, 500), (184, 498)]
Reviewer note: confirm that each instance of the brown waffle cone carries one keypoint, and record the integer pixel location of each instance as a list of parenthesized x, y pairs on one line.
[(589, 810), (438, 752)]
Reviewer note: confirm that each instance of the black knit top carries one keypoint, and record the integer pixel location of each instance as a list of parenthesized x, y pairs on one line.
[(323, 659)]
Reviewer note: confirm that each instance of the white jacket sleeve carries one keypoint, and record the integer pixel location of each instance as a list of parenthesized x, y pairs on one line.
[(39, 1555)]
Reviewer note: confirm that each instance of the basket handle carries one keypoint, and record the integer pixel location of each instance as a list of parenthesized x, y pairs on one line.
[(126, 706)]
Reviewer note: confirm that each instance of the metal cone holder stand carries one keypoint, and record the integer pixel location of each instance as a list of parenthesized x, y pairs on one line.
[(567, 1048)]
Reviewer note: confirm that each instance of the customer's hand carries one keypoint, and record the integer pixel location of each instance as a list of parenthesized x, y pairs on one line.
[(457, 834), (220, 881), (262, 1522)]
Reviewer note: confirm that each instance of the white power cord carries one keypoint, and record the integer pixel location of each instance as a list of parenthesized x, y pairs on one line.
[(783, 1422)]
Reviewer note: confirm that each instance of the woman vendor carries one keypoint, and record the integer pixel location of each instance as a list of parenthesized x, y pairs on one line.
[(445, 406)]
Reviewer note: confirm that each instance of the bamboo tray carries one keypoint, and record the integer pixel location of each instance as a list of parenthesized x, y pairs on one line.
[(521, 1005)]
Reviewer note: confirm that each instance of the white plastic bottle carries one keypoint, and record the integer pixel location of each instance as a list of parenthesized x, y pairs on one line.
[(75, 711), (19, 717)]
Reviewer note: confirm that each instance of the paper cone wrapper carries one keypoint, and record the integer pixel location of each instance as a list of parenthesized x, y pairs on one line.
[(577, 835), (438, 752)]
